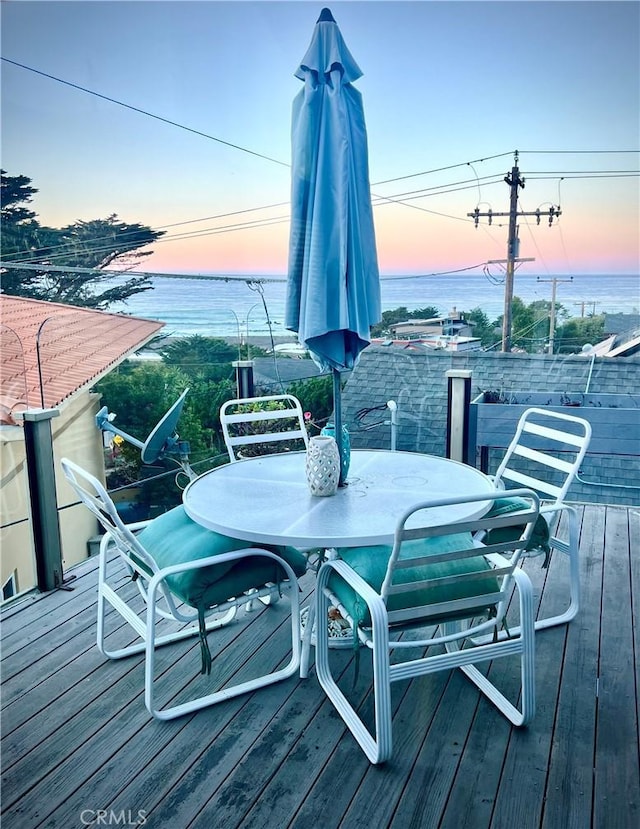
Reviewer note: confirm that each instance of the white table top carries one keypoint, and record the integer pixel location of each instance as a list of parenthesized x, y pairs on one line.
[(266, 499)]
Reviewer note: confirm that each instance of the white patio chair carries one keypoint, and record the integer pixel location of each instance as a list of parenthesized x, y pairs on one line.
[(545, 455), (186, 574), (262, 421), (442, 580), (254, 422)]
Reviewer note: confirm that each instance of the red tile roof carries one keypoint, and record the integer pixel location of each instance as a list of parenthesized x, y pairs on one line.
[(76, 347)]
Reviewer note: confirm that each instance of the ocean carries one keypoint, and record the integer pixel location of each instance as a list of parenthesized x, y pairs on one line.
[(231, 308)]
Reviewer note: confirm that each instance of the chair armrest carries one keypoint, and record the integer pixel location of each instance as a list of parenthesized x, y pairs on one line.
[(351, 577), (373, 600), (497, 559), (556, 506)]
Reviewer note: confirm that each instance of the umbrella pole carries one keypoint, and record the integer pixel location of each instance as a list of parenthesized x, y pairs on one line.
[(337, 417)]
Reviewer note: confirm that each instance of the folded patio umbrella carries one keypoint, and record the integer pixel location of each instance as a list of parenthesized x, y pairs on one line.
[(333, 288)]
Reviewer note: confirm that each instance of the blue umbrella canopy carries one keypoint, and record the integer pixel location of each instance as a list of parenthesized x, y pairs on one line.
[(333, 288)]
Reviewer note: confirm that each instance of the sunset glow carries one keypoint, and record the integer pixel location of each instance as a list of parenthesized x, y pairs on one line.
[(78, 119)]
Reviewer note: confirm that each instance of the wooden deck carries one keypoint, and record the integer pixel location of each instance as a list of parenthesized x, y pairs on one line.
[(76, 737)]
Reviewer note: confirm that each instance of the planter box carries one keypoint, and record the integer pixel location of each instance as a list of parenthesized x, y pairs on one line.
[(614, 418)]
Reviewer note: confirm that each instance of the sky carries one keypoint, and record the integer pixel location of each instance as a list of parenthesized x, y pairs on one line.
[(450, 91)]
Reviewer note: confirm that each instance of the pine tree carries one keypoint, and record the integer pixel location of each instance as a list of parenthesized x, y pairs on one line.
[(95, 244)]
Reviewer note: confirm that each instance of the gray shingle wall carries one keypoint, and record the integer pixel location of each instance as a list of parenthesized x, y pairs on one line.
[(621, 323), (417, 382)]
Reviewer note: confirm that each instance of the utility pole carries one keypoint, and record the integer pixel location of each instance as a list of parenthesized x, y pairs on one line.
[(583, 303), (514, 180), (552, 312)]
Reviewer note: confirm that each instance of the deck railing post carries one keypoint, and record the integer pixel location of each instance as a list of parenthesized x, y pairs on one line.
[(244, 377), (458, 401), (42, 495)]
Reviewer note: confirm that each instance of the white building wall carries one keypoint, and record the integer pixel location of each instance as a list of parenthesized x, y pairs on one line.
[(75, 436), (16, 539)]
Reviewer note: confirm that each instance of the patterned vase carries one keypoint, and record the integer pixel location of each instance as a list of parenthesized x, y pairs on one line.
[(330, 430), (323, 465)]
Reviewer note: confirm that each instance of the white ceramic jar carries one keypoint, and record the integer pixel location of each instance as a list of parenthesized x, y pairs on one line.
[(323, 465)]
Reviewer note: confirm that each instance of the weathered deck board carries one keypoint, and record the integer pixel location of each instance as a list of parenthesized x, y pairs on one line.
[(634, 548), (570, 779), (76, 734), (616, 763)]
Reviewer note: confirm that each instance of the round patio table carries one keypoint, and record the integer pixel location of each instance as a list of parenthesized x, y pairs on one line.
[(266, 499)]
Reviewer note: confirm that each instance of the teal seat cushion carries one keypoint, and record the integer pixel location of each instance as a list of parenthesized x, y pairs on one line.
[(173, 538), (371, 564), (539, 537)]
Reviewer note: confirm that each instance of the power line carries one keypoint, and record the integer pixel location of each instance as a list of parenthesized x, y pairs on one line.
[(69, 247), (147, 113), (225, 215), (277, 161), (401, 198), (578, 152), (439, 273), (404, 199), (146, 274), (443, 169), (596, 175), (583, 172), (438, 190), (66, 248), (253, 280), (286, 164)]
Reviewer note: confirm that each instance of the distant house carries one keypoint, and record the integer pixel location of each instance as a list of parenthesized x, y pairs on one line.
[(454, 342), (51, 356), (450, 326), (451, 333), (622, 336), (435, 342)]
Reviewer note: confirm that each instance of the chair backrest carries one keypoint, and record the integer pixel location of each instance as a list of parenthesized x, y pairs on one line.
[(95, 497), (546, 452), (262, 421), (450, 573)]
